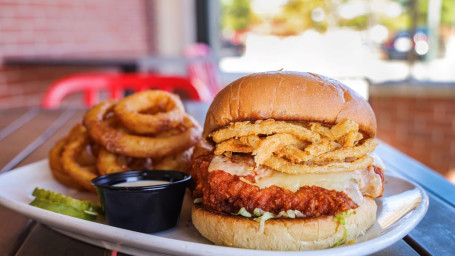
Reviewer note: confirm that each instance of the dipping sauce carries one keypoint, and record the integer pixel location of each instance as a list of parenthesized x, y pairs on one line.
[(142, 200), (141, 183)]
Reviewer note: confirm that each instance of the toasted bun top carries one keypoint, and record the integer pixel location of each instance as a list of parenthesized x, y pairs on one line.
[(288, 96)]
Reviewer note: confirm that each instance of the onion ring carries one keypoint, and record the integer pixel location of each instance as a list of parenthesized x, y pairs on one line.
[(55, 155), (56, 166), (111, 163), (120, 142), (82, 175), (130, 111), (178, 162)]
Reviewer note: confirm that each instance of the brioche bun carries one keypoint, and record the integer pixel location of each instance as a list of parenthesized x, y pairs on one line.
[(283, 234), (292, 97), (288, 96)]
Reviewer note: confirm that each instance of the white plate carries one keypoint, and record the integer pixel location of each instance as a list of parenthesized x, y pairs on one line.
[(16, 187)]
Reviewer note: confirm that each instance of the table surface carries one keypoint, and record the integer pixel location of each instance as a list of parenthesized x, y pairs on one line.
[(27, 135)]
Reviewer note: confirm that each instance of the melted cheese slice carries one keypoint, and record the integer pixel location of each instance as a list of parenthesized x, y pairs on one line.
[(355, 184)]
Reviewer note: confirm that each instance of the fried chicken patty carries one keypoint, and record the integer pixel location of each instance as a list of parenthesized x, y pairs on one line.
[(224, 192)]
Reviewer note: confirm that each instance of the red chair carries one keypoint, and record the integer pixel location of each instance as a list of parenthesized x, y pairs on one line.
[(92, 84), (203, 74)]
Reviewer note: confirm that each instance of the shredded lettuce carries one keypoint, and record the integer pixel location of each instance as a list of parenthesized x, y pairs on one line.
[(263, 219), (258, 212), (343, 239), (299, 214), (262, 216), (290, 214), (244, 212), (341, 218), (282, 214)]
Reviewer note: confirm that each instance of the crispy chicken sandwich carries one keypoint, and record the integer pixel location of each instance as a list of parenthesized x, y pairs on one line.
[(291, 166)]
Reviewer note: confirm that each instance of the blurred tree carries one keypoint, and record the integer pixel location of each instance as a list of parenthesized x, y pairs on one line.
[(236, 14), (296, 16), (399, 22), (358, 23), (299, 15), (448, 12), (402, 21)]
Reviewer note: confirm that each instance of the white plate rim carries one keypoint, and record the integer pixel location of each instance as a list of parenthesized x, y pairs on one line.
[(105, 234)]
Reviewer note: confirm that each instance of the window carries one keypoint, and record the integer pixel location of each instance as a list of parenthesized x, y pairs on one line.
[(381, 40)]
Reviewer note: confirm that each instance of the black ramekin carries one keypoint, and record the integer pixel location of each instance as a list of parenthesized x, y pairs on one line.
[(144, 209)]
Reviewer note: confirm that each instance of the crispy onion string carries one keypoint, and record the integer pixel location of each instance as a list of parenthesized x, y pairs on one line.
[(279, 145), (287, 167), (274, 143), (267, 127)]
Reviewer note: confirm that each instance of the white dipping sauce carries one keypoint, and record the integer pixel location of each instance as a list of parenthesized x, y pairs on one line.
[(141, 183)]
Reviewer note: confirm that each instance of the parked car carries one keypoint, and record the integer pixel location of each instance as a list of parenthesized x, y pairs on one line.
[(399, 45)]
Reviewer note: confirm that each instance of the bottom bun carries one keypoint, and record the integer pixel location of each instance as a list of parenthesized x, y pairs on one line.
[(284, 234)]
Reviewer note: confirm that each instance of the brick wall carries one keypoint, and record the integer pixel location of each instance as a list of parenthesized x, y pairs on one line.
[(66, 28), (421, 127), (24, 85)]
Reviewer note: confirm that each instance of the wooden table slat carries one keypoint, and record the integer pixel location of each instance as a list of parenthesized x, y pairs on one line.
[(42, 151), (12, 225), (399, 248), (61, 120), (436, 232), (9, 116), (27, 129), (44, 241), (437, 225), (17, 123), (23, 136), (417, 172)]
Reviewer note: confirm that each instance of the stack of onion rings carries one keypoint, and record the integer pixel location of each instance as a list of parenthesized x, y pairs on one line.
[(127, 143), (146, 130)]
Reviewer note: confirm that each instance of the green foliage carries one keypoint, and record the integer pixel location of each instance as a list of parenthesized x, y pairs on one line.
[(448, 12), (236, 14), (401, 22), (297, 15), (359, 22)]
